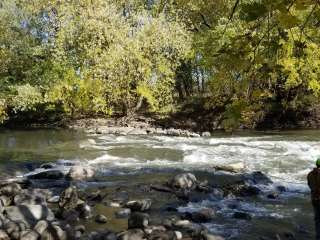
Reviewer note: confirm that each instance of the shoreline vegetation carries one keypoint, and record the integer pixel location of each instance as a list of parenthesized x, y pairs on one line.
[(223, 64)]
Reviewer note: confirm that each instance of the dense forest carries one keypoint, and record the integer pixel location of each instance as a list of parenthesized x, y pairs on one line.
[(247, 60)]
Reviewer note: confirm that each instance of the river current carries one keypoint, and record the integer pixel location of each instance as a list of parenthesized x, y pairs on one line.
[(285, 157)]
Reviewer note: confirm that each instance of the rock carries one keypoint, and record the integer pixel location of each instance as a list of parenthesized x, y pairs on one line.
[(132, 234), (152, 229), (233, 168), (84, 210), (123, 213), (206, 134), (259, 178), (4, 235), (103, 235), (138, 220), (41, 226), (11, 227), (10, 189), (53, 174), (192, 134), (48, 165), (242, 215), (80, 228), (54, 199), (273, 195), (184, 181), (139, 205), (70, 215), (29, 235), (101, 219), (249, 191), (69, 198), (173, 132), (281, 189), (162, 235), (202, 216), (54, 232), (29, 214), (207, 236), (182, 223), (30, 198), (80, 173), (178, 235), (5, 200), (137, 131)]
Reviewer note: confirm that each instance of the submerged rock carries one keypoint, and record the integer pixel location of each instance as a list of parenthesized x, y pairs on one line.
[(242, 215)]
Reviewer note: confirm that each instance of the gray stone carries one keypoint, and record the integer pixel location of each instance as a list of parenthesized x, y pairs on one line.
[(207, 236), (10, 189), (203, 216), (185, 181), (29, 235), (101, 219), (69, 198), (29, 214), (206, 134), (53, 174), (5, 200), (132, 234), (139, 205), (29, 198), (54, 233), (54, 199), (84, 210), (138, 220), (41, 226), (4, 235), (80, 173)]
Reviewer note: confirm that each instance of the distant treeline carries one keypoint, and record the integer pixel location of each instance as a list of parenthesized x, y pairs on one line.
[(249, 58)]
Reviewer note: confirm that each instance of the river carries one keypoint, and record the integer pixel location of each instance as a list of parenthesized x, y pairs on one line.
[(286, 157)]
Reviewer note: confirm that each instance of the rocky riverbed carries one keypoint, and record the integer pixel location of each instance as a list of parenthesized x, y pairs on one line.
[(70, 201)]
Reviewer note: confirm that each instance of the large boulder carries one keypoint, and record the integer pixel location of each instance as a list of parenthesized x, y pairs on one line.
[(80, 173), (185, 181), (29, 214)]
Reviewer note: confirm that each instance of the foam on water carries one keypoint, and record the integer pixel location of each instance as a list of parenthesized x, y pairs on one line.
[(283, 160)]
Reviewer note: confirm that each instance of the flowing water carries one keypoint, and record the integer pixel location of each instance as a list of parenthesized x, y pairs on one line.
[(286, 157)]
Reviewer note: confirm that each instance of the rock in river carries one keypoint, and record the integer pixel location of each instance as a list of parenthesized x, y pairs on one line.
[(139, 205), (138, 220), (186, 181), (80, 173)]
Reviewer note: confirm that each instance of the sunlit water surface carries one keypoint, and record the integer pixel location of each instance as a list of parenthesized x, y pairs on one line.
[(286, 157)]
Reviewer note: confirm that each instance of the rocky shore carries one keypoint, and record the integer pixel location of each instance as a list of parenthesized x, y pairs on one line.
[(51, 202)]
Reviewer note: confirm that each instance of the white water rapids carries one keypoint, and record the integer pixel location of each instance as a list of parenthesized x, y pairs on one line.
[(284, 160)]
